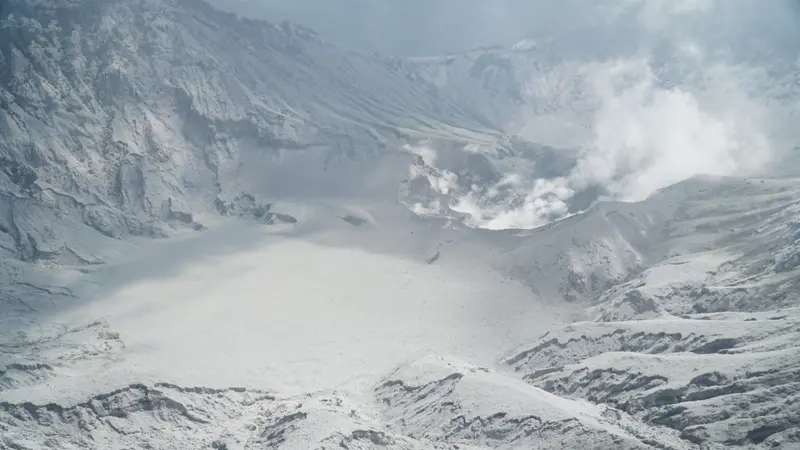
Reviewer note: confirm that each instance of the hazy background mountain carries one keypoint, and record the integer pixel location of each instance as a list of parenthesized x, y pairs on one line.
[(650, 92), (433, 27)]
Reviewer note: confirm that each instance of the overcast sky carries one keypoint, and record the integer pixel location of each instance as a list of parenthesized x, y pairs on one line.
[(426, 27)]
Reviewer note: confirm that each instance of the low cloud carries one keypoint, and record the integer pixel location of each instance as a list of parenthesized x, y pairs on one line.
[(647, 136), (648, 129), (659, 14), (675, 108)]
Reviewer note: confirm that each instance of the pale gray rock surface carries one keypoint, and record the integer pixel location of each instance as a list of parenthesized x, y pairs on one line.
[(123, 121)]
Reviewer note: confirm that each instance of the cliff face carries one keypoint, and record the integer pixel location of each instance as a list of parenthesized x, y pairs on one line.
[(127, 116)]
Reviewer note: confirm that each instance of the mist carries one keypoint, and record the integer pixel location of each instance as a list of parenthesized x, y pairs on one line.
[(645, 136), (433, 27), (677, 88)]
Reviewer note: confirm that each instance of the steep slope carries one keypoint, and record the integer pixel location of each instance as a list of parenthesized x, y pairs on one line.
[(552, 90), (705, 340), (512, 86), (431, 403), (141, 114), (721, 379)]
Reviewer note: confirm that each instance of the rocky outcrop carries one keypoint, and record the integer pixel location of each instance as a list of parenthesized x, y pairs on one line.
[(137, 117)]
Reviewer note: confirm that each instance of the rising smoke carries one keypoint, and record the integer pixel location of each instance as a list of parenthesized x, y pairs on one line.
[(672, 89), (658, 117)]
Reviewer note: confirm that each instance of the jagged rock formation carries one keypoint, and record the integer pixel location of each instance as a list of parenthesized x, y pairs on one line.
[(710, 378), (704, 341), (431, 403), (138, 118), (127, 117)]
